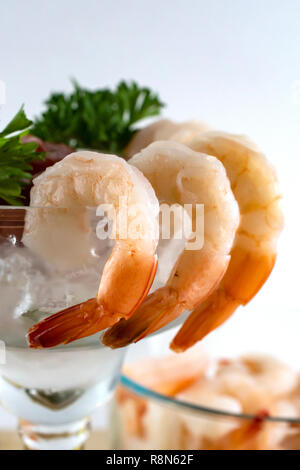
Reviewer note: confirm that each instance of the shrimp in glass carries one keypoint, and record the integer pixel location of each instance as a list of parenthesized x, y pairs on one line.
[(255, 186), (164, 129), (81, 180), (181, 176)]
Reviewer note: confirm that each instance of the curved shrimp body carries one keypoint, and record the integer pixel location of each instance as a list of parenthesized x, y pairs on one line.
[(59, 233), (164, 129), (181, 176), (255, 186)]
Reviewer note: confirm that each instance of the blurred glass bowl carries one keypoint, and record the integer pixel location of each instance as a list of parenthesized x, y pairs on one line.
[(175, 424), (145, 419)]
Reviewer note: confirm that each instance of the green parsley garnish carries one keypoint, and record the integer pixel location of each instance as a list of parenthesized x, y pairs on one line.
[(15, 159), (101, 120)]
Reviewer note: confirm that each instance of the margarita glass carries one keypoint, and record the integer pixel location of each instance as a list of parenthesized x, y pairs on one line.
[(53, 392)]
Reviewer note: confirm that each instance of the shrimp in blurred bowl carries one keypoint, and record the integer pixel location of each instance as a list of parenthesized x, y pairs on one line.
[(81, 180), (182, 176), (205, 393), (257, 381), (170, 374), (243, 403)]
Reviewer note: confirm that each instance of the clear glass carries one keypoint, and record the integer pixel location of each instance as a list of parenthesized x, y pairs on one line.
[(52, 392)]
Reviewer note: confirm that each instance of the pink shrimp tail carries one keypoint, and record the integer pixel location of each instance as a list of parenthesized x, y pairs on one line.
[(79, 321), (72, 323)]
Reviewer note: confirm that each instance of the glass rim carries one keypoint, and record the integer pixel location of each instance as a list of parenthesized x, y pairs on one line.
[(56, 349), (146, 392)]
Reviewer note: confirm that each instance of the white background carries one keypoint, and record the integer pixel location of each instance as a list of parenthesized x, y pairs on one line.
[(232, 63)]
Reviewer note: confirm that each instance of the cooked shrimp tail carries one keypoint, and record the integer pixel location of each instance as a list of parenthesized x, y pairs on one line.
[(156, 305), (157, 311), (80, 321), (171, 312), (210, 315), (245, 276), (67, 325)]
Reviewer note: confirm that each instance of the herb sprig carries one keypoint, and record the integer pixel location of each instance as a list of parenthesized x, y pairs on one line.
[(15, 159), (102, 120)]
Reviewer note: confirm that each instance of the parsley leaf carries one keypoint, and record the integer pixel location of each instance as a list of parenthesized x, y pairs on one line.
[(102, 120), (15, 159)]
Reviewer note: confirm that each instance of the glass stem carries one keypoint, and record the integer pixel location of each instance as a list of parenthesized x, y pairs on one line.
[(69, 436)]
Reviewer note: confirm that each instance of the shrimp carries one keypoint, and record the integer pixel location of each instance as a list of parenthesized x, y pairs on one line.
[(205, 393), (247, 436), (59, 233), (255, 186), (132, 409), (181, 176), (172, 374), (259, 433), (253, 384), (164, 129), (294, 396), (256, 381), (260, 382), (276, 432), (240, 399), (168, 376)]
